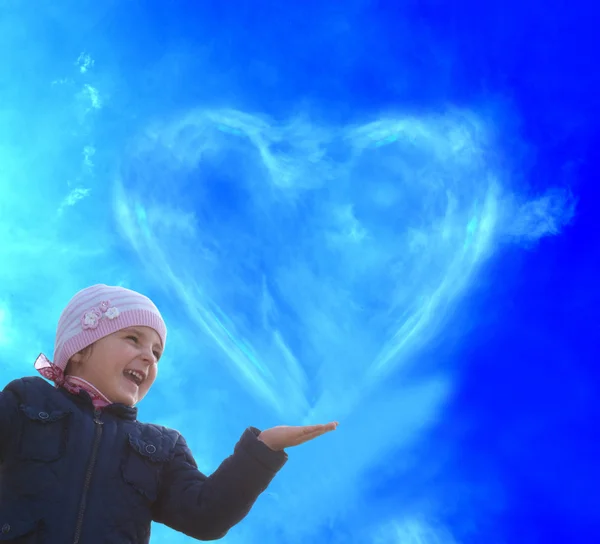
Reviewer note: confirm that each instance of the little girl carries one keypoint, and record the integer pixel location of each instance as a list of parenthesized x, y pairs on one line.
[(76, 466)]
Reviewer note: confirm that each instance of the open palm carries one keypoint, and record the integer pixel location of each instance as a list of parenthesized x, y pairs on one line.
[(285, 436)]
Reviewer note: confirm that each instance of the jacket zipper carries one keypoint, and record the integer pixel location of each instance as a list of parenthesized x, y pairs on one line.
[(88, 476)]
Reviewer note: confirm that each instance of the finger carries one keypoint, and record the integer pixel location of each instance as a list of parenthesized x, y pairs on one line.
[(306, 437), (309, 429)]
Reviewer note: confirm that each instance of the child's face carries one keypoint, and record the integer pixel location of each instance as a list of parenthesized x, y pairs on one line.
[(111, 357)]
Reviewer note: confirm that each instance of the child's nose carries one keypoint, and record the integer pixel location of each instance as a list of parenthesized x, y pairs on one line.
[(148, 355)]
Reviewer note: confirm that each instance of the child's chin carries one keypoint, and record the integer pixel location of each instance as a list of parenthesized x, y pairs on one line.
[(129, 393), (126, 397), (127, 400)]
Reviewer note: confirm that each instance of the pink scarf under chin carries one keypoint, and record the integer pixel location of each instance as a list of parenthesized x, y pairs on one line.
[(72, 384)]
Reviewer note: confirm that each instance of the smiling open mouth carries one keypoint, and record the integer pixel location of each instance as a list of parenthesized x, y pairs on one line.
[(132, 375)]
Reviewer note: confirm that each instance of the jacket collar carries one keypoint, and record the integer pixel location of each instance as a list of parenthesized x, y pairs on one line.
[(84, 399)]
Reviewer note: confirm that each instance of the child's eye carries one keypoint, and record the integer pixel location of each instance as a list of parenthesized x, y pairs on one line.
[(157, 354)]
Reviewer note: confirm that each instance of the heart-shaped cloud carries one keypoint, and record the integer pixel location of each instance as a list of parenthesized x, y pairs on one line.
[(320, 259)]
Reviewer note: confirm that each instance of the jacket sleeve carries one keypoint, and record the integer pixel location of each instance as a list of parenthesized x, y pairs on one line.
[(205, 508), (8, 411)]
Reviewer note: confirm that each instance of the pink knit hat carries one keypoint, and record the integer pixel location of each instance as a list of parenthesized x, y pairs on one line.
[(93, 313)]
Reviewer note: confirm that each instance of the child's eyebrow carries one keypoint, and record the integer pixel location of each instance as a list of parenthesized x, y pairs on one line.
[(142, 334)]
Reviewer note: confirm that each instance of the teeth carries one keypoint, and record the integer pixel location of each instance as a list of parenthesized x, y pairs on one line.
[(137, 375)]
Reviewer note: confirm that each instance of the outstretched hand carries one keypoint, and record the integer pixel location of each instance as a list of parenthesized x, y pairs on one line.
[(284, 436)]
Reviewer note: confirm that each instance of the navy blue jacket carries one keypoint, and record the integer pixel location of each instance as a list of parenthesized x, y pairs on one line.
[(70, 474)]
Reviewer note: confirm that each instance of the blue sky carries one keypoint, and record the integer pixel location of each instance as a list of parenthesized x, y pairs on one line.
[(356, 212)]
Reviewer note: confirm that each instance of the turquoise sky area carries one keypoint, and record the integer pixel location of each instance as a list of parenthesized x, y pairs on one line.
[(380, 213)]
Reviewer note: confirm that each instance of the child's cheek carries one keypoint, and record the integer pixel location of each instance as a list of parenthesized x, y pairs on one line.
[(152, 372)]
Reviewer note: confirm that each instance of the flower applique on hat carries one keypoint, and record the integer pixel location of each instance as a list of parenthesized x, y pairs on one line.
[(91, 318), (112, 313)]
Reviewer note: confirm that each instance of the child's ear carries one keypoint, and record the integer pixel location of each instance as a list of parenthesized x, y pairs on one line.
[(69, 369), (80, 356), (77, 358)]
